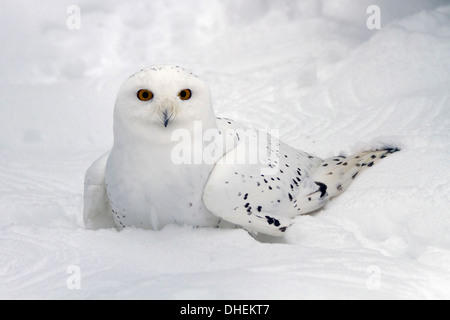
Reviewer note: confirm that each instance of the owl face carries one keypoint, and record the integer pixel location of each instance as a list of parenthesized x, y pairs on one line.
[(162, 98)]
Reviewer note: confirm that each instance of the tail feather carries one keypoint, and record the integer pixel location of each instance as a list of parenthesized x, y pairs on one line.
[(338, 172)]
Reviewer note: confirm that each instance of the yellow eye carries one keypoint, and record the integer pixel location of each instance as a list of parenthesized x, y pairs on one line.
[(185, 94), (144, 95)]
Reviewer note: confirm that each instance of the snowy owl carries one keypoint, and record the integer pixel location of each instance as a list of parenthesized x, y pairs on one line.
[(152, 177)]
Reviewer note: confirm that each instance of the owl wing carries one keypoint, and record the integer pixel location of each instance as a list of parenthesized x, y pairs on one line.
[(260, 194), (97, 211)]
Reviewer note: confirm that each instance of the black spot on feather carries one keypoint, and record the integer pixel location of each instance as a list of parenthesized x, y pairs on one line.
[(322, 188)]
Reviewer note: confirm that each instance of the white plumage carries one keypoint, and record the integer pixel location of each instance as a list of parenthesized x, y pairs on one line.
[(161, 116)]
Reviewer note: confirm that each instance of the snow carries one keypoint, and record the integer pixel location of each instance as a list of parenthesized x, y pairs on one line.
[(311, 69)]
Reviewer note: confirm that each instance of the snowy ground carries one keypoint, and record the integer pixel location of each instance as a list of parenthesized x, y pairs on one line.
[(310, 68)]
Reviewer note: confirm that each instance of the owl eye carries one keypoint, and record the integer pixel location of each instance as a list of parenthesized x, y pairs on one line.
[(185, 94), (144, 95)]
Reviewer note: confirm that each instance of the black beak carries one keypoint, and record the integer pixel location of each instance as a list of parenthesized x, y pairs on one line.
[(166, 118)]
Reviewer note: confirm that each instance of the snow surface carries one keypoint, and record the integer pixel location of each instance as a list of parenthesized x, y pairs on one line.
[(310, 68)]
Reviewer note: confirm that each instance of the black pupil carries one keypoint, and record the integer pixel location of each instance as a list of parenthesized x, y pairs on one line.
[(145, 95), (183, 94)]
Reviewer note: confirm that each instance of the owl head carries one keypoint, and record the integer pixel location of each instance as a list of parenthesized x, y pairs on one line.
[(159, 99)]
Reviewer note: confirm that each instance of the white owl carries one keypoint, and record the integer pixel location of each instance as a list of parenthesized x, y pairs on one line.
[(143, 183)]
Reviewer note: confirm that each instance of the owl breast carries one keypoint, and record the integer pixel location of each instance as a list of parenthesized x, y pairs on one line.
[(150, 191)]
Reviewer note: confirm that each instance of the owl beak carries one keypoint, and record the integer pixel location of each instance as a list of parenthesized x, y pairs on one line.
[(167, 111), (166, 118)]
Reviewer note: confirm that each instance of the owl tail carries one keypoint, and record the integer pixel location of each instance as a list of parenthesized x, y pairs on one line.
[(335, 174)]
